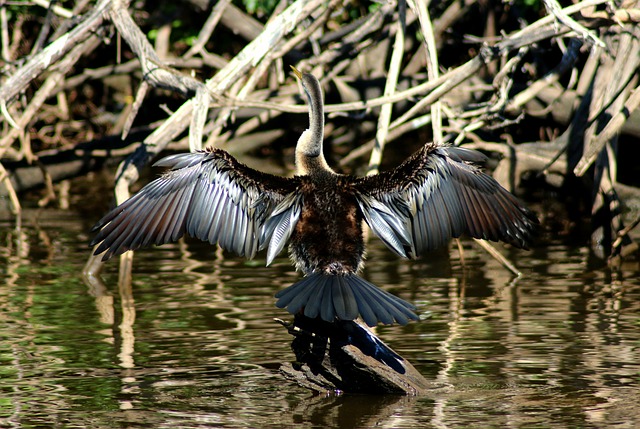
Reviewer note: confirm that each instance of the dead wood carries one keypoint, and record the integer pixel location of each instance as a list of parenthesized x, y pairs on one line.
[(69, 162), (401, 53), (402, 71), (347, 357)]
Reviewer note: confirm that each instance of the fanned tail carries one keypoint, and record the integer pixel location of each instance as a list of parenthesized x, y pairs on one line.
[(345, 298)]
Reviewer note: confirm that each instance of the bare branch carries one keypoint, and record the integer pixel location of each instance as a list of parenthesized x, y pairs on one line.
[(52, 53), (554, 8)]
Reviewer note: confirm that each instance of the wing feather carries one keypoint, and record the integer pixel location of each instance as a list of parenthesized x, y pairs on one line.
[(440, 193), (206, 194), (281, 223), (385, 223)]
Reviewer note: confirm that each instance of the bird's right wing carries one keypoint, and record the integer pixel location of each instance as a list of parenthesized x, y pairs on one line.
[(437, 194), (208, 195)]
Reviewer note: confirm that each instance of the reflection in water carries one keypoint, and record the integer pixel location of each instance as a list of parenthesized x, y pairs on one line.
[(127, 303), (189, 340)]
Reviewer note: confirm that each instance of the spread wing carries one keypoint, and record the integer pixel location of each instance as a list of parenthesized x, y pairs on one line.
[(208, 195), (437, 194)]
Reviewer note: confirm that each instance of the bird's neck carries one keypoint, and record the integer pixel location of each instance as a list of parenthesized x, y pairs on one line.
[(309, 157)]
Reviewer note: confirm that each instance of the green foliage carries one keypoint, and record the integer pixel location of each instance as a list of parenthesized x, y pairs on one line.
[(259, 6), (13, 10), (182, 33), (533, 4)]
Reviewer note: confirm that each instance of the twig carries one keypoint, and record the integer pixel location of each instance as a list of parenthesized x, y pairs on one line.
[(420, 8), (390, 88), (624, 232), (443, 85), (568, 60), (13, 197), (4, 35), (44, 31), (52, 53), (78, 7), (255, 50), (611, 98), (461, 252), (240, 23), (539, 30), (503, 82), (17, 34), (498, 256), (152, 67), (620, 16), (50, 194), (537, 26), (57, 9), (140, 95), (198, 119), (43, 93), (207, 29), (263, 60), (353, 40), (100, 73), (611, 129), (306, 32), (46, 90), (394, 134), (554, 8)]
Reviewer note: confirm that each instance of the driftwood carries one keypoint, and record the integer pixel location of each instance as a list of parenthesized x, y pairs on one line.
[(346, 357), (385, 67)]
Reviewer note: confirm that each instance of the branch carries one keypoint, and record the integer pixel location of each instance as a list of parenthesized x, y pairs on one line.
[(389, 89), (554, 8), (52, 53)]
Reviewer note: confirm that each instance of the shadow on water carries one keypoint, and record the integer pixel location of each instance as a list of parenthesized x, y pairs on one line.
[(191, 341)]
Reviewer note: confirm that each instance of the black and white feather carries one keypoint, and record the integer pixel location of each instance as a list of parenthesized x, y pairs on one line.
[(437, 194), (208, 195)]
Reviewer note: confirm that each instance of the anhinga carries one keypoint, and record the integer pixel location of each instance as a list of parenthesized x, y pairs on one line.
[(436, 194)]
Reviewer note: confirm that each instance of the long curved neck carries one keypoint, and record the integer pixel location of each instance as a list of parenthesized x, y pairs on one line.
[(309, 156)]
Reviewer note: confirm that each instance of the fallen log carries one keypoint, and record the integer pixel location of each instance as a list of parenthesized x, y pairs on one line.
[(346, 357)]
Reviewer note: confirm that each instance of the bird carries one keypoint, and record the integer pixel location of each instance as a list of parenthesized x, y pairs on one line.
[(438, 193)]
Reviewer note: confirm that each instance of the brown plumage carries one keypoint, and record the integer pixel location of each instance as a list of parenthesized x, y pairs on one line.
[(436, 194)]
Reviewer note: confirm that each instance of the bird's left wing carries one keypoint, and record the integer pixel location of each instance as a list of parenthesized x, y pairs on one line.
[(208, 195), (437, 194)]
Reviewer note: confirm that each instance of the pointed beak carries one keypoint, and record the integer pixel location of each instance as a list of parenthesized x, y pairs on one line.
[(296, 72)]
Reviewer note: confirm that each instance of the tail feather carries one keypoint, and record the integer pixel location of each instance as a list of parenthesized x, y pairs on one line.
[(378, 307), (298, 298), (327, 310), (344, 298), (366, 312), (314, 304), (386, 305)]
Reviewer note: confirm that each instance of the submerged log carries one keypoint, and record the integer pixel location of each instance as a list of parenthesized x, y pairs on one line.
[(346, 357)]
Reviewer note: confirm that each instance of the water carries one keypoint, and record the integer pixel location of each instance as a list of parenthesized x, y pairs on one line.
[(192, 343)]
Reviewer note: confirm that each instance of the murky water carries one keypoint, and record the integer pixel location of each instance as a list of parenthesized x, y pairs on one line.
[(193, 343)]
